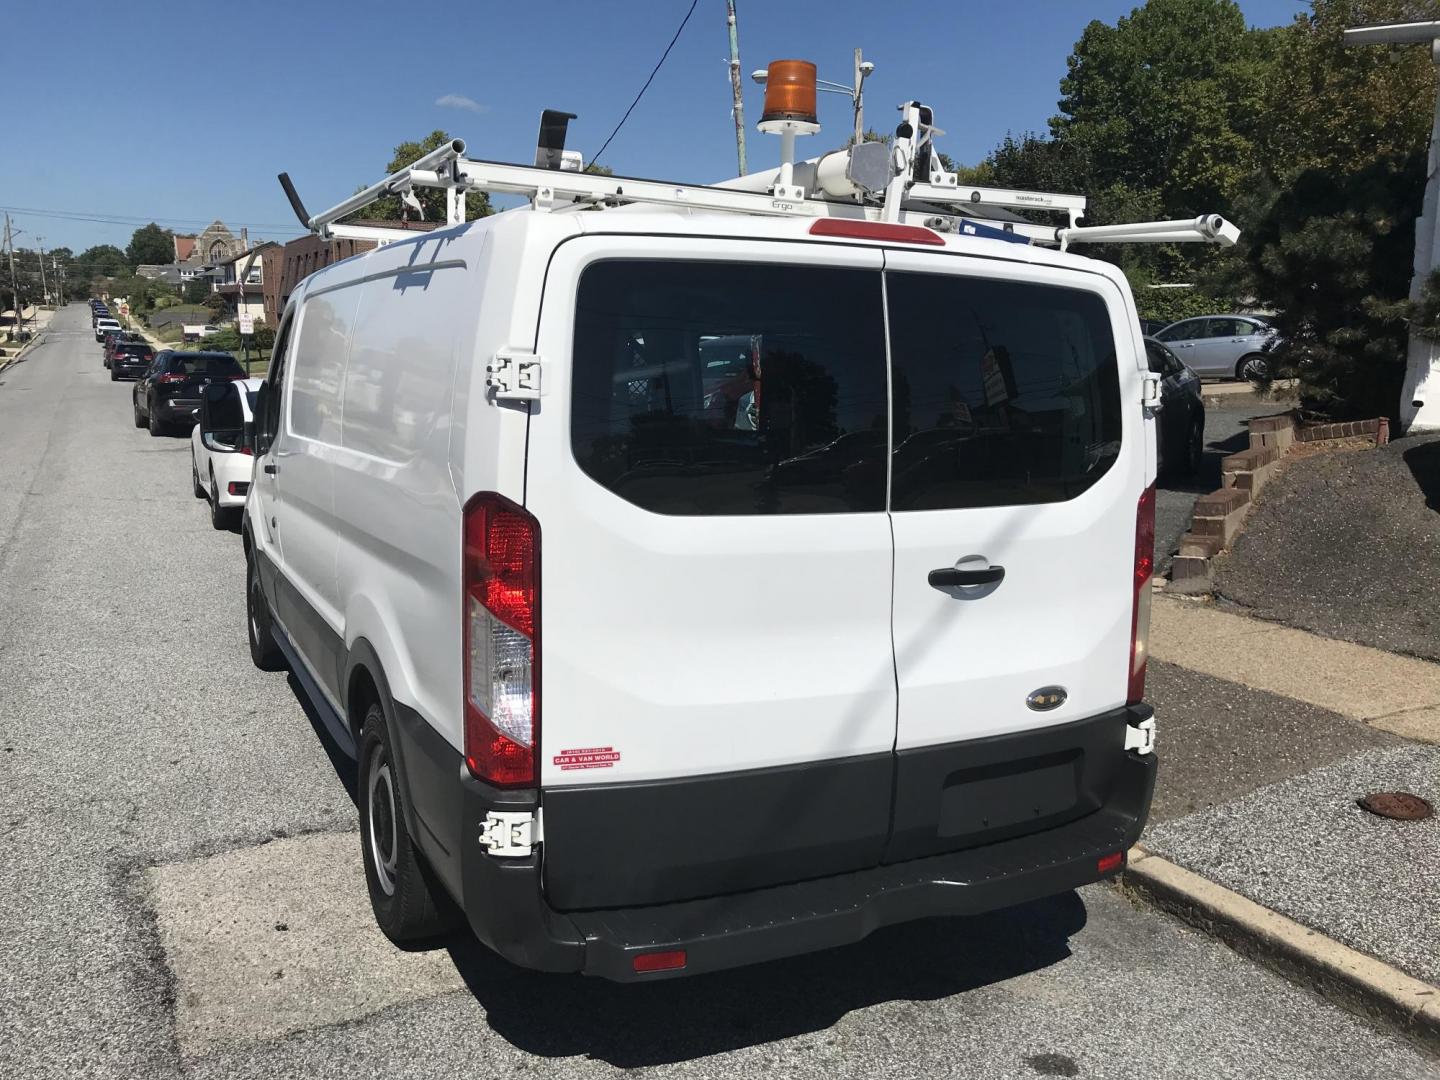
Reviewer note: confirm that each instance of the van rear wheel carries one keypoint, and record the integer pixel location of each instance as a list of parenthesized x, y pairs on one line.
[(265, 654), (402, 892)]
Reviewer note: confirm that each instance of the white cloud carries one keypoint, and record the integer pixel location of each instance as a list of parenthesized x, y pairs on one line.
[(460, 101)]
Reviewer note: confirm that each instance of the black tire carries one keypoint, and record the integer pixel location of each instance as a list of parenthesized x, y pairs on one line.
[(1252, 368), (1194, 449), (403, 893), (135, 405), (114, 375), (221, 517), (195, 479), (156, 427), (264, 653)]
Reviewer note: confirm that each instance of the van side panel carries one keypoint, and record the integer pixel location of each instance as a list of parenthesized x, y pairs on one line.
[(397, 510), (306, 599)]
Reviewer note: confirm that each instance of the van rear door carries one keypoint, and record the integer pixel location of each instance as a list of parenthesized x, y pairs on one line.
[(707, 465), (1015, 467)]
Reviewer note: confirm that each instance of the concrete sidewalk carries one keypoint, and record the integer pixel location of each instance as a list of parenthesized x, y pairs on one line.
[(1278, 733), (1394, 693)]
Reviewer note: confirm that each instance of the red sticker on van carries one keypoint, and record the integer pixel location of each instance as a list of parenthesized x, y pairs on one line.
[(595, 757)]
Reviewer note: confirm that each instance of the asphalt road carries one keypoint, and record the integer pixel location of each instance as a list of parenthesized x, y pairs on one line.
[(154, 926)]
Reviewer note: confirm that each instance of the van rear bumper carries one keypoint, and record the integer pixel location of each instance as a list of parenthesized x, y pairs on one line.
[(506, 907)]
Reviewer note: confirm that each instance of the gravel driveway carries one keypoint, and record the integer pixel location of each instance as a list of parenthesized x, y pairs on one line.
[(1347, 544)]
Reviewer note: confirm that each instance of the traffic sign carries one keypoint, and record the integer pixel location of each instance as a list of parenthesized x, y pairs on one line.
[(247, 324)]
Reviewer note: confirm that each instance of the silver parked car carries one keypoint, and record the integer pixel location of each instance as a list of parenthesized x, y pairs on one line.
[(1222, 346)]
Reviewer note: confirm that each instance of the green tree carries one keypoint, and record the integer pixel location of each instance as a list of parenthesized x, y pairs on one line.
[(103, 260), (1169, 99), (477, 203), (195, 291), (150, 245), (1329, 225), (1332, 107), (1330, 252)]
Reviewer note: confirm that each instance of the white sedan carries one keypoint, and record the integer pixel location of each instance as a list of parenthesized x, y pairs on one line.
[(222, 455)]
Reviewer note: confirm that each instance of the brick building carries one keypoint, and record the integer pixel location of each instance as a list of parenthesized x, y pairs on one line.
[(301, 258)]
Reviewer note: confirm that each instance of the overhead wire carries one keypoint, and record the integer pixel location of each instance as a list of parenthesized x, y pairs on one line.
[(653, 73)]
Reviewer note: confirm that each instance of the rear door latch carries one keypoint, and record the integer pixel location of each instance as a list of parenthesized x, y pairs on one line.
[(508, 834), (514, 375)]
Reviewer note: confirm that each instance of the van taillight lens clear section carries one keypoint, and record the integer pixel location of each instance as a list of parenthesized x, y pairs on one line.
[(1140, 611), (501, 581)]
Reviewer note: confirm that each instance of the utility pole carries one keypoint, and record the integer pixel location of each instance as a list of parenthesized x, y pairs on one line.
[(44, 288), (859, 101), (14, 288), (735, 92)]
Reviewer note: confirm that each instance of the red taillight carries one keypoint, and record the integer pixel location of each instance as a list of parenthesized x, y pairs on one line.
[(237, 487), (500, 628), (1108, 864), (172, 378), (672, 960), (1140, 609), (875, 230)]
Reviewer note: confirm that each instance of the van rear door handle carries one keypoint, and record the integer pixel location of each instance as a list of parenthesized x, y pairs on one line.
[(270, 467), (949, 575)]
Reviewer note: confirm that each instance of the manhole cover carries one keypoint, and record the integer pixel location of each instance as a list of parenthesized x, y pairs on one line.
[(1399, 805)]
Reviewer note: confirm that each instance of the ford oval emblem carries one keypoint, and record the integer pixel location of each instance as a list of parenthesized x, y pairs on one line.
[(1046, 698)]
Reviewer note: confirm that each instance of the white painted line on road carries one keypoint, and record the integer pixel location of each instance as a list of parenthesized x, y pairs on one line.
[(275, 939)]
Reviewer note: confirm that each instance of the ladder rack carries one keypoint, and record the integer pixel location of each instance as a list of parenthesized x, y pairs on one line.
[(868, 181)]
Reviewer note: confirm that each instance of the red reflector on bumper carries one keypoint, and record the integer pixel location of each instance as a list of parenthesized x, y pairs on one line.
[(660, 961), (1110, 863)]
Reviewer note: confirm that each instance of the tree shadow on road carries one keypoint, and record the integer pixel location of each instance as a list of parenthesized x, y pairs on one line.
[(1424, 464), (630, 1026)]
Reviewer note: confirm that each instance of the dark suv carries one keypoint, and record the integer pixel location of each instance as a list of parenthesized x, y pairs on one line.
[(169, 391), (129, 359)]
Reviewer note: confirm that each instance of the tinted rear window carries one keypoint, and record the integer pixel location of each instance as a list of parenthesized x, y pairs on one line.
[(719, 388), (1005, 392), (133, 350), (205, 364)]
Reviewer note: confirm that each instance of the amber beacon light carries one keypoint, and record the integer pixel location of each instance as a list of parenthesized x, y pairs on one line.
[(790, 92)]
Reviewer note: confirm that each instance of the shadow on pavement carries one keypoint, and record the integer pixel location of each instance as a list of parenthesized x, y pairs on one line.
[(630, 1026), (344, 765), (1424, 464), (1207, 477)]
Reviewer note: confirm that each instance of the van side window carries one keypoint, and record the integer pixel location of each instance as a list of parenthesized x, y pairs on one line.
[(1006, 393), (727, 388), (318, 363), (275, 377)]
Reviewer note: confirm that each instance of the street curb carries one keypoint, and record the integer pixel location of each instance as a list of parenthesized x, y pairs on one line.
[(1357, 982)]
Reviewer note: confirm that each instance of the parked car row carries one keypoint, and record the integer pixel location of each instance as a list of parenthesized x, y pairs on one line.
[(206, 394)]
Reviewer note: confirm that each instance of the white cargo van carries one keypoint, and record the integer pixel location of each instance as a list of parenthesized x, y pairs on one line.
[(701, 587)]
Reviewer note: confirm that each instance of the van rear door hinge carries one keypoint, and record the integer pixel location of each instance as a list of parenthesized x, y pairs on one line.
[(1141, 737), (508, 834), (1150, 390), (514, 375)]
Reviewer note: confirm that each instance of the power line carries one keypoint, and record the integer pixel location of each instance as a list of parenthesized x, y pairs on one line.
[(121, 219), (648, 81)]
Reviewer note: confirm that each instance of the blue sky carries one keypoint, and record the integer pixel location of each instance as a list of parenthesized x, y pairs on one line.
[(184, 112)]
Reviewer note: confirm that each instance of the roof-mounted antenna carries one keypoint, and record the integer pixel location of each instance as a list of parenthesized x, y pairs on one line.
[(294, 197), (550, 152)]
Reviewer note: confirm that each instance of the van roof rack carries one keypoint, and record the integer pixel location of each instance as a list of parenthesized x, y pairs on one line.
[(900, 183)]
